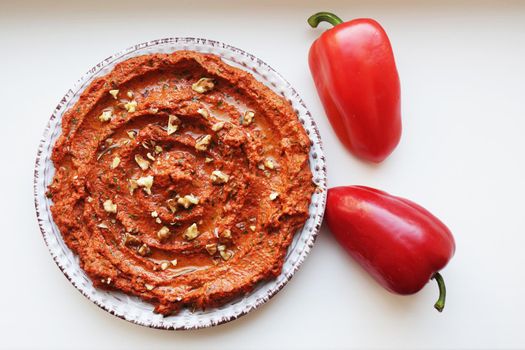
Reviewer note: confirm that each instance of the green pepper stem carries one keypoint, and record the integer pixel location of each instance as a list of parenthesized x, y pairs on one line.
[(440, 303), (319, 17)]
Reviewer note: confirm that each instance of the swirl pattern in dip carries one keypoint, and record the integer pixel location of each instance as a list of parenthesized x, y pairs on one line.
[(181, 180)]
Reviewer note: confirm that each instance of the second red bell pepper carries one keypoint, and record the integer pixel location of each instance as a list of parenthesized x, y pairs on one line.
[(398, 242), (355, 74)]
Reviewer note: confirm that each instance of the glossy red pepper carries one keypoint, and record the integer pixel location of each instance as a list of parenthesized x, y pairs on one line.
[(355, 73), (398, 242)]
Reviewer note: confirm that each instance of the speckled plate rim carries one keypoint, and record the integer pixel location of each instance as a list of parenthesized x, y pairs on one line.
[(132, 308)]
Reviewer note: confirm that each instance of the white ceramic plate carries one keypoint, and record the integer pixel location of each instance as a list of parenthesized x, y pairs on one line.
[(132, 308)]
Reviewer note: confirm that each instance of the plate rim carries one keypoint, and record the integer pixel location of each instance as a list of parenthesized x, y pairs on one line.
[(77, 86)]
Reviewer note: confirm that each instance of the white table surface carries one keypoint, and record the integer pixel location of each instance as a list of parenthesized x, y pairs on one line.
[(462, 68)]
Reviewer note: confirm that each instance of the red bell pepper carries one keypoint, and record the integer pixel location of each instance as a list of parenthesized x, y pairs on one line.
[(398, 242), (355, 73)]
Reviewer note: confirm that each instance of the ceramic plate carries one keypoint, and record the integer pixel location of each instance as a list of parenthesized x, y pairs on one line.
[(132, 308)]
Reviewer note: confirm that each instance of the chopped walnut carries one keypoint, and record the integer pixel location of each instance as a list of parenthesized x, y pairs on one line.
[(192, 232), (225, 254), (218, 126), (218, 177), (203, 85), (226, 234), (273, 196), (131, 106), (269, 163), (172, 204), (253, 227), (188, 200), (203, 112), (173, 124), (203, 143), (154, 214), (105, 116), (130, 240), (211, 248), (143, 163), (144, 250), (248, 117), (163, 233), (114, 93), (115, 162), (110, 207), (146, 182), (164, 265)]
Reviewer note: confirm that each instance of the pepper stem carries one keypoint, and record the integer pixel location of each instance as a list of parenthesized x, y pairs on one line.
[(440, 303), (319, 17)]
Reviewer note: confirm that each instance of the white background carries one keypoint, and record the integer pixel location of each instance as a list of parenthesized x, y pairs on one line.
[(462, 69)]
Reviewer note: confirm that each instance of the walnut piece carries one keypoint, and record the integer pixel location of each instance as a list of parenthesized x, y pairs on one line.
[(114, 93), (163, 233), (225, 254), (115, 162), (203, 85), (269, 163), (218, 126), (143, 163), (203, 112), (110, 207), (131, 240), (105, 116), (173, 124), (131, 106), (172, 205), (144, 250), (248, 117), (226, 234), (211, 248), (146, 182), (188, 200), (192, 232), (219, 178), (164, 265), (202, 143)]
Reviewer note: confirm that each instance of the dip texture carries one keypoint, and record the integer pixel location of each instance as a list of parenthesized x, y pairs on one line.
[(181, 180)]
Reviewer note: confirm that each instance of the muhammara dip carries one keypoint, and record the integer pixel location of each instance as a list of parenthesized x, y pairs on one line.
[(181, 180)]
